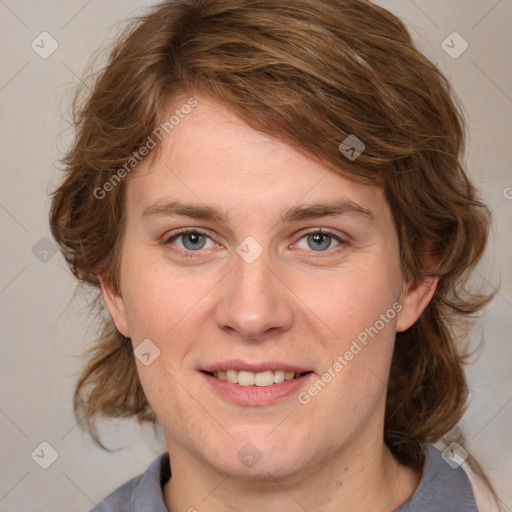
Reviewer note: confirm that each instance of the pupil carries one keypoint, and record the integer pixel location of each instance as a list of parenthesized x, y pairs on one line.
[(193, 241), (321, 241)]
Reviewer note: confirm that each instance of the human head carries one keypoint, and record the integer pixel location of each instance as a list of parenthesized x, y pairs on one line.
[(310, 75)]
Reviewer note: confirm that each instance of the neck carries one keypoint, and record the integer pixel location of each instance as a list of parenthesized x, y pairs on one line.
[(368, 479)]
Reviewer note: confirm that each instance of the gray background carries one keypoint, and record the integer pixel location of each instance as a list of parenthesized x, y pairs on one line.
[(43, 331)]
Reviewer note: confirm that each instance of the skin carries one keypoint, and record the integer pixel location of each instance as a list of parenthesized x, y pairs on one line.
[(292, 304)]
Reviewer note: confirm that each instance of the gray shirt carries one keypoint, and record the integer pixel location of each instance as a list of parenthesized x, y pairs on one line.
[(441, 489)]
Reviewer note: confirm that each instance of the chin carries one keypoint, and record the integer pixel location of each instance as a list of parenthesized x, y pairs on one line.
[(256, 454), (268, 469)]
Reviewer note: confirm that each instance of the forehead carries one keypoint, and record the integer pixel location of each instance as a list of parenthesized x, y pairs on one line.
[(213, 157)]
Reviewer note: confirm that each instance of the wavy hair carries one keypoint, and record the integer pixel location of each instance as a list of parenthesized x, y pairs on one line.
[(309, 73)]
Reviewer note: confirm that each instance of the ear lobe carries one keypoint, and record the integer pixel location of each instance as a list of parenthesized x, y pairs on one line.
[(414, 300), (115, 305)]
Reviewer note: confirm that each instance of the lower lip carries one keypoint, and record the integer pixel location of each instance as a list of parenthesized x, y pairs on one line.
[(257, 395)]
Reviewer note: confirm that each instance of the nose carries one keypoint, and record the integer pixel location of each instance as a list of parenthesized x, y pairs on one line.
[(255, 301)]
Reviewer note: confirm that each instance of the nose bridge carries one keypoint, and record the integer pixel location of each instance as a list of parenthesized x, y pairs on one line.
[(255, 300)]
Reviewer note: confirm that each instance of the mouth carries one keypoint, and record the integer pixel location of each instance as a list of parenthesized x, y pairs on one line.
[(260, 379), (258, 384)]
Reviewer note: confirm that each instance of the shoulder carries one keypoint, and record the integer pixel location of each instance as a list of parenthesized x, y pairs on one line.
[(143, 492), (119, 499), (443, 487), (449, 484), (484, 497)]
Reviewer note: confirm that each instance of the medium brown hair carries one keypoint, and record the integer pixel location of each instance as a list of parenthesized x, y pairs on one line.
[(309, 73)]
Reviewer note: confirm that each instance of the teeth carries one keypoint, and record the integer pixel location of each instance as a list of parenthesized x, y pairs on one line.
[(261, 379), (246, 378), (232, 376), (264, 378), (279, 376)]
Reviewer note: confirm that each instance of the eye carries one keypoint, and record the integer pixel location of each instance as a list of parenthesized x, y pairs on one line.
[(320, 241), (191, 240), (194, 240)]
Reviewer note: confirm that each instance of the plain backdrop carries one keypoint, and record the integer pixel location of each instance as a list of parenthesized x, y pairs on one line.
[(44, 332)]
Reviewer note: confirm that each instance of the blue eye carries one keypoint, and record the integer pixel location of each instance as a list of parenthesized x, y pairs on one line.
[(191, 240), (319, 241)]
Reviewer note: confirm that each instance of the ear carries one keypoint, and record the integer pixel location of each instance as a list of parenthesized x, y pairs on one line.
[(115, 305), (415, 298)]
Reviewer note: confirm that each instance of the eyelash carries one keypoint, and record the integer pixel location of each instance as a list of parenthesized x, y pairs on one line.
[(190, 254)]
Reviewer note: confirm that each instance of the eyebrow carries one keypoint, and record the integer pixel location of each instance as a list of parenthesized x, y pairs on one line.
[(293, 214)]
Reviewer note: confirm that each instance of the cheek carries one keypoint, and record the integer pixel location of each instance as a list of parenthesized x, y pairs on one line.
[(159, 299), (353, 300), (167, 393), (361, 308)]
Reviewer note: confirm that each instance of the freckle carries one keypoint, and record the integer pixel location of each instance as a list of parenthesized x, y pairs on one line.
[(338, 483)]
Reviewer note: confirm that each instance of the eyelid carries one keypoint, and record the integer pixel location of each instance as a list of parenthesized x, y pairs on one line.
[(342, 240), (326, 231), (182, 231), (168, 239)]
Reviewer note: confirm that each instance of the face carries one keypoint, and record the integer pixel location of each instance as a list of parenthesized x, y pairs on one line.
[(245, 260)]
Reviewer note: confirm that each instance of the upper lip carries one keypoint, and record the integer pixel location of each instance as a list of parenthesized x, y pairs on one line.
[(237, 364)]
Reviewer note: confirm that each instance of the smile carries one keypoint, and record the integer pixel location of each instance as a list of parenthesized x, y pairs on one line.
[(261, 379)]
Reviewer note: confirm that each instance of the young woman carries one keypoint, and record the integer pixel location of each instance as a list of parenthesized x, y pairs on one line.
[(268, 196)]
